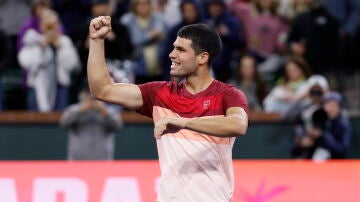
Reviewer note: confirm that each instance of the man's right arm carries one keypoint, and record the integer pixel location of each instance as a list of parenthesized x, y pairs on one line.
[(100, 83)]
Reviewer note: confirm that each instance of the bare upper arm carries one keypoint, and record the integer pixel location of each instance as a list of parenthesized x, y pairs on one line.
[(124, 94), (240, 115)]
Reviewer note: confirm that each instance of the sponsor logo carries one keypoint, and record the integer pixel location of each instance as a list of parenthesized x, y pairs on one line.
[(206, 104)]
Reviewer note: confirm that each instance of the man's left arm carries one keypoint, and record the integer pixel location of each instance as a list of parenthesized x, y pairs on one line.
[(234, 123)]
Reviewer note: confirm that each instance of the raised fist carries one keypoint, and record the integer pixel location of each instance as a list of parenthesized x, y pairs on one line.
[(100, 27)]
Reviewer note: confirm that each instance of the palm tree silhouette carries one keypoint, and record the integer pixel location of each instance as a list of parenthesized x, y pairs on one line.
[(261, 195)]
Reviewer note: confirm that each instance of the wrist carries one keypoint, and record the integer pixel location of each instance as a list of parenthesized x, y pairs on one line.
[(177, 122), (97, 41), (184, 122)]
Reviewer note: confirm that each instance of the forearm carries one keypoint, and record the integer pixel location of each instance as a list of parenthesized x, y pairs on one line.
[(218, 126), (98, 74)]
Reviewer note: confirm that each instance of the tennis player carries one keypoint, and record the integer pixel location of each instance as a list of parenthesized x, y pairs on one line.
[(196, 120)]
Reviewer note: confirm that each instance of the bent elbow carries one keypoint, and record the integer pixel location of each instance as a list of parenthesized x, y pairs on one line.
[(98, 93), (95, 94), (242, 132), (241, 128), (239, 132)]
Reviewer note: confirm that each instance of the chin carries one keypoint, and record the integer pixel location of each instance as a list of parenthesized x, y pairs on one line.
[(173, 74)]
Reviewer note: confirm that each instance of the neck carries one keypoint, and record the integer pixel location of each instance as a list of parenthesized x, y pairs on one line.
[(197, 84)]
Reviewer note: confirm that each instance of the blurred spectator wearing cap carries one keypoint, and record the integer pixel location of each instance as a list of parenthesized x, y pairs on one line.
[(231, 34), (147, 32), (330, 134), (49, 57), (309, 99), (191, 14), (91, 127), (118, 46)]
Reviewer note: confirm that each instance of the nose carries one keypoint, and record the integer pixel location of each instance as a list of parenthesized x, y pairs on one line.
[(172, 54)]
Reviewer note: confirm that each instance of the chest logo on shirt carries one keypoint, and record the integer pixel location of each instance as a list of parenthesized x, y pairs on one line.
[(206, 104)]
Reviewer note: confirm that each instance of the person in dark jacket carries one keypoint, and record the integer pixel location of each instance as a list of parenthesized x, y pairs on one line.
[(330, 136), (315, 35)]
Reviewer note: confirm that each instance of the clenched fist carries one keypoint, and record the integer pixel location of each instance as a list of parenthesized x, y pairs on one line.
[(100, 27)]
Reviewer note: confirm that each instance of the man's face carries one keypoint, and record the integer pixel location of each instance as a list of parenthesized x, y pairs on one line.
[(183, 58), (49, 23), (143, 8), (332, 108), (189, 12), (215, 9), (293, 71)]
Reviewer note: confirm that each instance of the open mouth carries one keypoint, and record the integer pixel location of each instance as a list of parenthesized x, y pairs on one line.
[(174, 65)]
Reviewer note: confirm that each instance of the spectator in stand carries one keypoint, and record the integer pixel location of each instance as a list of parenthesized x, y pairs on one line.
[(49, 57), (248, 80), (232, 36), (347, 12), (266, 32), (191, 14), (309, 100), (330, 134), (147, 32), (315, 36), (290, 9), (118, 45), (91, 127), (169, 11), (290, 87), (33, 22), (3, 54)]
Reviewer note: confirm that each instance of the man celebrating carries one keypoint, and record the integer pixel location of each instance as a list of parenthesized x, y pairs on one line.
[(196, 120)]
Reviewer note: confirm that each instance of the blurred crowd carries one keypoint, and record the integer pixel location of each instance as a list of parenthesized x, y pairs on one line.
[(270, 47), (287, 56)]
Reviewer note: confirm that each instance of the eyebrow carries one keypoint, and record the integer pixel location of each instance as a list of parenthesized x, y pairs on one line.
[(179, 47)]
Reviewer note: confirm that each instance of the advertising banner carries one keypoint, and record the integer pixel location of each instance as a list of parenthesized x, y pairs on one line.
[(136, 181)]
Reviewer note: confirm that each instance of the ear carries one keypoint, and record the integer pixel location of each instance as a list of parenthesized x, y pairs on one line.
[(203, 58)]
